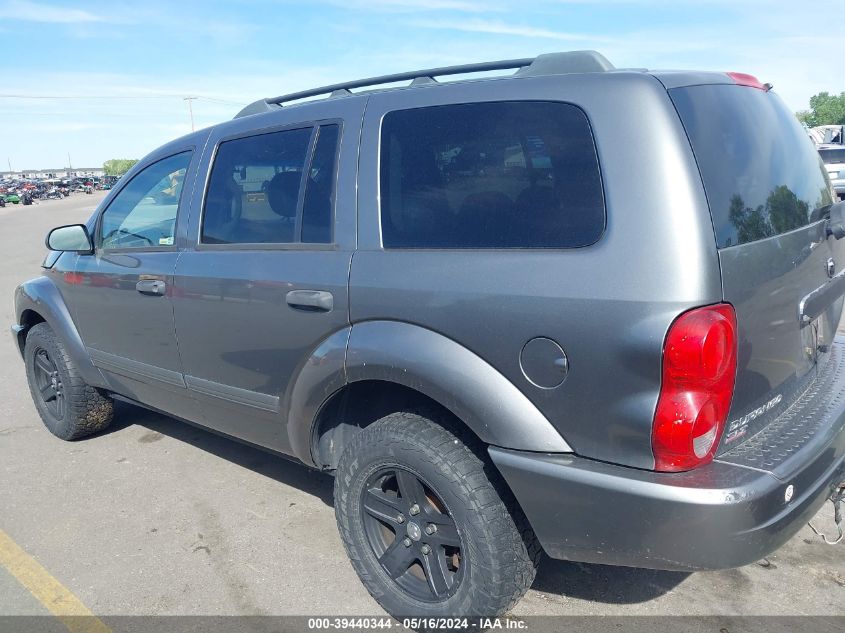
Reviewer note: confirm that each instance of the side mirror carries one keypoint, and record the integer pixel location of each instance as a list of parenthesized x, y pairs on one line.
[(73, 238)]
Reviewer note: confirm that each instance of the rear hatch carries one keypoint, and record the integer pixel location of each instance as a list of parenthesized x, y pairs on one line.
[(768, 190)]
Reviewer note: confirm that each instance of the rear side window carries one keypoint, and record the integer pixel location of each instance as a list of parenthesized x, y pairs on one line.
[(490, 175), (319, 194), (761, 173), (274, 188)]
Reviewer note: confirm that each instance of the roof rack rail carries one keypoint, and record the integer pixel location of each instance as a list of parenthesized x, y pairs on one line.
[(547, 64)]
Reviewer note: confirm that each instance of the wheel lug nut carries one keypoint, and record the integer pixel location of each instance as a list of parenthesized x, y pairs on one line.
[(430, 529), (400, 519), (407, 542), (415, 510), (426, 550)]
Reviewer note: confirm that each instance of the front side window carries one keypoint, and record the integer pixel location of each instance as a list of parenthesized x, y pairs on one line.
[(143, 214), (490, 175), (255, 191)]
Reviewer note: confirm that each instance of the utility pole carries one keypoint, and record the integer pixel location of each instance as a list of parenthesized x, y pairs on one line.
[(190, 110), (9, 160), (69, 167)]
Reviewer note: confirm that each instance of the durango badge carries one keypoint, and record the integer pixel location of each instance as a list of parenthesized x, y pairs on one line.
[(737, 428)]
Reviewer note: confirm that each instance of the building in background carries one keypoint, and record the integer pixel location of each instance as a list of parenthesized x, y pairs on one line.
[(44, 174)]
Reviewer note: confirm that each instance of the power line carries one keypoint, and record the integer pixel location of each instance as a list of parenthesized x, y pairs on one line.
[(191, 110), (26, 96)]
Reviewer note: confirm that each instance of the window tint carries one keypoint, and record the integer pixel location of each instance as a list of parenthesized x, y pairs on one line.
[(319, 193), (761, 173), (490, 175), (143, 214), (253, 191)]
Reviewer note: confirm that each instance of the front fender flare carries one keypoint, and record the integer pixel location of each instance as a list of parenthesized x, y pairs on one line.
[(41, 296)]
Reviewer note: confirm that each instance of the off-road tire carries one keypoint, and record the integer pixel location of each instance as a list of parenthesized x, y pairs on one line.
[(86, 409), (499, 552)]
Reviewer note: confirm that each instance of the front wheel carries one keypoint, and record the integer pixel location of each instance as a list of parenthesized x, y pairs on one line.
[(427, 531), (69, 408)]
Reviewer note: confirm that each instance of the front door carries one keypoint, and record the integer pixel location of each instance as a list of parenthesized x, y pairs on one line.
[(121, 294), (266, 282)]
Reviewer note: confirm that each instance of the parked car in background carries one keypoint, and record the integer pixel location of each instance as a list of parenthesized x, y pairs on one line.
[(498, 327), (833, 157), (828, 134), (14, 198)]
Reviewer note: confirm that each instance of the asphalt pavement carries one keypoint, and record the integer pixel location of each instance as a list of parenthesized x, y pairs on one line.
[(157, 517)]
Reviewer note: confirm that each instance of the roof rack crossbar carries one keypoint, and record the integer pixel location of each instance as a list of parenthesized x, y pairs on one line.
[(406, 76)]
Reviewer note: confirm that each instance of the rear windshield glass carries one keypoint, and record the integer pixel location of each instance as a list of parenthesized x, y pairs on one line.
[(831, 156), (761, 173)]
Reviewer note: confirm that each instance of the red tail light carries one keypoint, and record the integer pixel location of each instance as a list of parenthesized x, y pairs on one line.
[(699, 373)]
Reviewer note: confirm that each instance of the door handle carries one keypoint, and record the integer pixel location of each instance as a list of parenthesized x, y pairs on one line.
[(151, 287), (310, 300)]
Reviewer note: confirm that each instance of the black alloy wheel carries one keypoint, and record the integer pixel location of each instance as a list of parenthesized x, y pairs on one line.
[(412, 534), (49, 384), (428, 527)]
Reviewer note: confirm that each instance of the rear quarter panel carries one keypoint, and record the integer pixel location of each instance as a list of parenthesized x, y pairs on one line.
[(608, 305)]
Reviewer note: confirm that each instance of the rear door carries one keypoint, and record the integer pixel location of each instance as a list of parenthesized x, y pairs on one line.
[(264, 281), (768, 191)]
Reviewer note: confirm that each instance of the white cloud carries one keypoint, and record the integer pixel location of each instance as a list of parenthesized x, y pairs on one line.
[(502, 28), (142, 109), (416, 5), (38, 12)]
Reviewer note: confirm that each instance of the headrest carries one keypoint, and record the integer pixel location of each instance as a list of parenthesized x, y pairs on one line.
[(283, 193)]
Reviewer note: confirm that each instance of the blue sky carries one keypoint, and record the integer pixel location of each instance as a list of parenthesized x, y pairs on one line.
[(140, 59)]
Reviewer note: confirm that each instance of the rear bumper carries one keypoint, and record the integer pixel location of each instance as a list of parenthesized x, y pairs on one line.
[(717, 517), (729, 513)]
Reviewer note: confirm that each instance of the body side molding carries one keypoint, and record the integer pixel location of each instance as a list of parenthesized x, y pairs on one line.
[(236, 395), (133, 368)]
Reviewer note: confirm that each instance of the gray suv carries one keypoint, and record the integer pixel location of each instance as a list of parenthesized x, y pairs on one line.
[(573, 309)]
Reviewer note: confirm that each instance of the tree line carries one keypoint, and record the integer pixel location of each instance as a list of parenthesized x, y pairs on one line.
[(825, 109), (118, 166)]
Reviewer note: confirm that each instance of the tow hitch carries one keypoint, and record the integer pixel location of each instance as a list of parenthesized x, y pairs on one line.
[(836, 498)]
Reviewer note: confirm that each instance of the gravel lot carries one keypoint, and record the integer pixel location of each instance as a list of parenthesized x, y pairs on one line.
[(157, 517)]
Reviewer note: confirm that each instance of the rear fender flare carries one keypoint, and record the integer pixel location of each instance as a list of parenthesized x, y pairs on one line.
[(320, 376), (455, 377)]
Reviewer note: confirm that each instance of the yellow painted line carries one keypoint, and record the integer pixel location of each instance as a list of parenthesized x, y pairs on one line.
[(55, 597)]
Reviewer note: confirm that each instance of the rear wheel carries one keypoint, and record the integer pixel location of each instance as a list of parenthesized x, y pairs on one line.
[(69, 408), (426, 529)]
